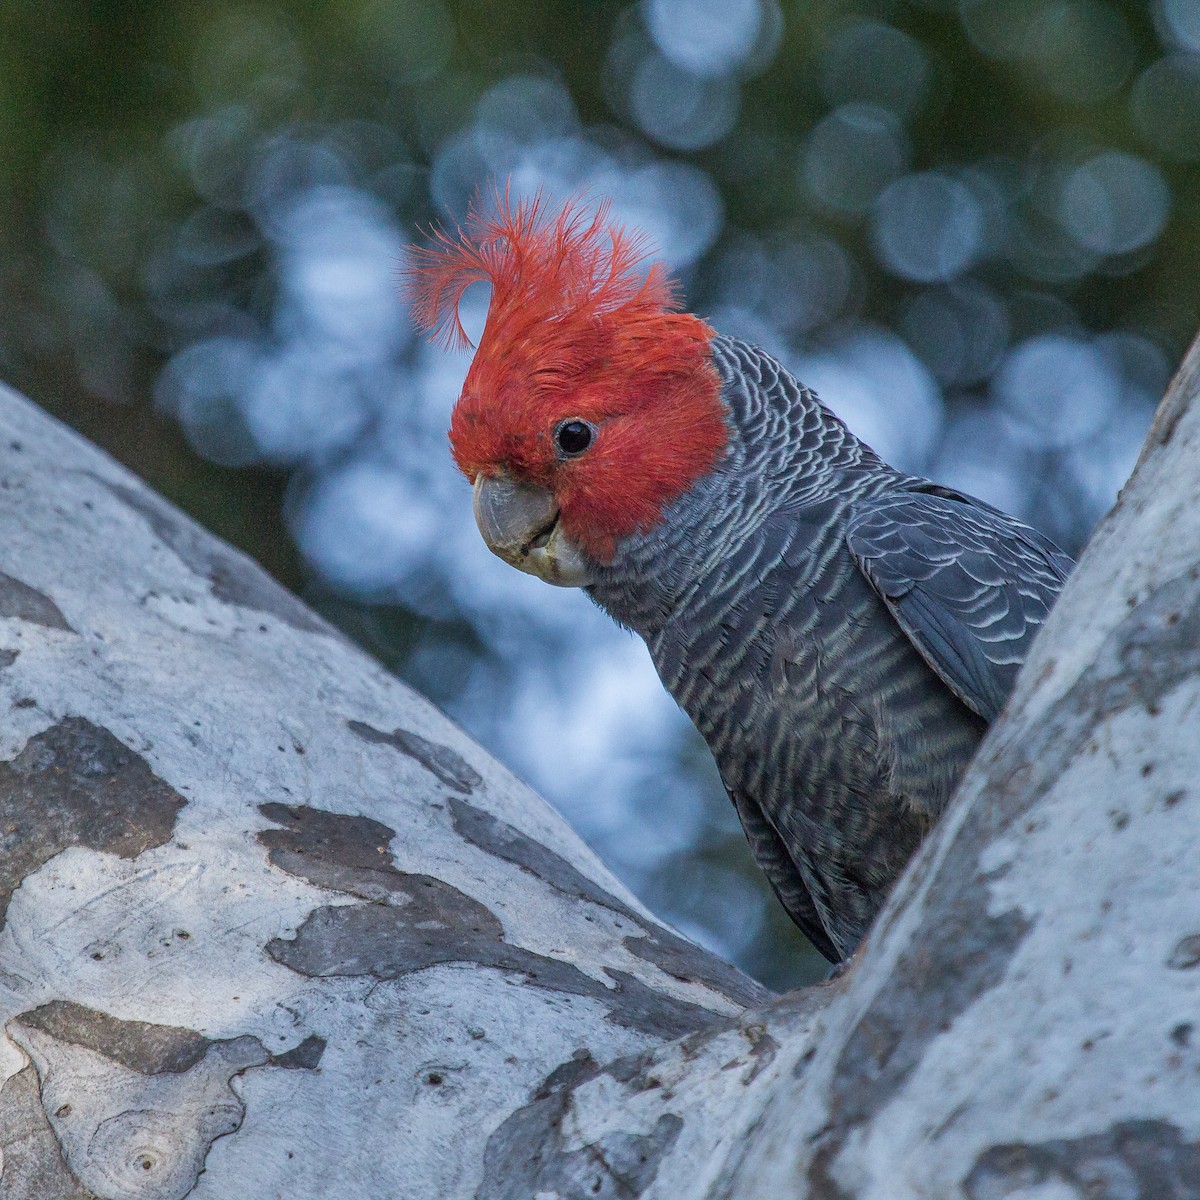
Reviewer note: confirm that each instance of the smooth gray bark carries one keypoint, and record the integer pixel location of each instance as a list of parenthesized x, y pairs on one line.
[(271, 926)]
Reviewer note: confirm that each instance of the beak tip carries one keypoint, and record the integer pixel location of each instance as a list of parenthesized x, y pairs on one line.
[(512, 516)]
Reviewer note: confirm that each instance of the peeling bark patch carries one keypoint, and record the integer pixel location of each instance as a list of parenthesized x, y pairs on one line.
[(331, 850), (684, 961), (501, 840), (528, 1156), (76, 785), (670, 953), (142, 1047), (440, 761), (304, 1057), (643, 1008), (434, 925), (1154, 649), (969, 959), (18, 600), (412, 922), (7, 658), (135, 1107), (32, 1166), (931, 984), (127, 1134), (146, 1048), (1142, 1160), (232, 577)]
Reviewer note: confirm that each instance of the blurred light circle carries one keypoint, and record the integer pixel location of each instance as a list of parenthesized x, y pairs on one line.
[(1165, 105), (1034, 312), (298, 409), (676, 204), (558, 167), (876, 64), (792, 285), (459, 169), (927, 227), (1039, 249), (1178, 21), (523, 109), (214, 150), (811, 282), (706, 37), (959, 331), (287, 167), (733, 320), (980, 456), (851, 155), (1115, 203), (1083, 49), (679, 109), (1102, 465), (875, 383), (214, 236), (1145, 369), (995, 183), (1058, 389), (369, 146), (364, 527), (999, 28), (201, 388), (338, 267)]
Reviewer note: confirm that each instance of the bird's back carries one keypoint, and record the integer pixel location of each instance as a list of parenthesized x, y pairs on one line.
[(821, 716)]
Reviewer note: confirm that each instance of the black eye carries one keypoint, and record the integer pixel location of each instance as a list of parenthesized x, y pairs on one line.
[(574, 436)]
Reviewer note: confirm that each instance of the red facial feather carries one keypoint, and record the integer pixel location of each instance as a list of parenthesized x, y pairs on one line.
[(576, 328)]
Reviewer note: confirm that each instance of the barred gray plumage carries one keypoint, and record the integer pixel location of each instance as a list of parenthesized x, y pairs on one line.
[(841, 634)]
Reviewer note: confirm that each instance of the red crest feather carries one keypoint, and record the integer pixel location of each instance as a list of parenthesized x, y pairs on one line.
[(578, 327), (542, 265)]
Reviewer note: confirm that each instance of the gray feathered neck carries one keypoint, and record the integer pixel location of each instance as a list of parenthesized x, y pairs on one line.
[(786, 450)]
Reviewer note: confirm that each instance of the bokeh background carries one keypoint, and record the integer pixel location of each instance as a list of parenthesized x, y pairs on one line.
[(970, 224)]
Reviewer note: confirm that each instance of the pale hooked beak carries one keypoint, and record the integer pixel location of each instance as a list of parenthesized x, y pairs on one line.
[(519, 523)]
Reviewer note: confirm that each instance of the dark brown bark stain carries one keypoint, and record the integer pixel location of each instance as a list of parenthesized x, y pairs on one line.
[(233, 578), (670, 953), (667, 951), (306, 1056), (76, 785), (528, 1155), (1141, 1160), (1154, 650), (33, 1164), (440, 761), (20, 601), (410, 922), (690, 964), (143, 1047)]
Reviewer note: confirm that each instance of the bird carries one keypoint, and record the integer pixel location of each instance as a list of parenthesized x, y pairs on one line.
[(840, 632)]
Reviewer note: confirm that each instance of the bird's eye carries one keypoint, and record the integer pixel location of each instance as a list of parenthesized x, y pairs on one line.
[(574, 436)]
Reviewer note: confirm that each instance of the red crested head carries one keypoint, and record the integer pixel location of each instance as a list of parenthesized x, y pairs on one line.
[(587, 380)]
